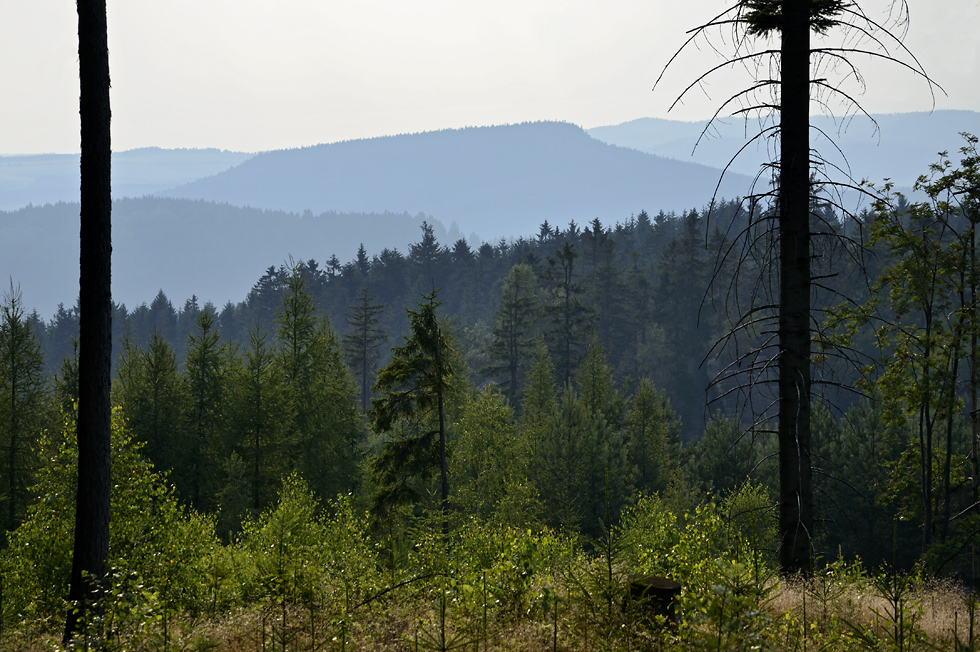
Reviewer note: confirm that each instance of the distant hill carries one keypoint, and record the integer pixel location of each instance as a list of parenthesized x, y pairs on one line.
[(183, 247), (51, 178), (904, 147), (250, 210), (495, 181)]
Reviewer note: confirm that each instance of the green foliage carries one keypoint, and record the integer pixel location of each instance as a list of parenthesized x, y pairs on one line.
[(723, 599), (295, 555), (362, 341), (653, 436), (922, 310), (491, 464), (157, 548), (24, 408), (568, 320), (414, 388), (152, 395), (750, 516), (514, 328), (320, 394), (261, 425), (762, 17), (728, 455), (207, 368)]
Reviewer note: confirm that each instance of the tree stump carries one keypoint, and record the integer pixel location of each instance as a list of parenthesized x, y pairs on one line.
[(655, 596)]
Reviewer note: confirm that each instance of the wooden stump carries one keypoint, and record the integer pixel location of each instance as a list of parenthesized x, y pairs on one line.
[(655, 596)]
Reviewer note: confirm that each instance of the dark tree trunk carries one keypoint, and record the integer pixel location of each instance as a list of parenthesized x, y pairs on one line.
[(91, 551), (796, 493), (443, 463)]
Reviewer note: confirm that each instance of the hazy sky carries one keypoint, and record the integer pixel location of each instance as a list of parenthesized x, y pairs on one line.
[(250, 76)]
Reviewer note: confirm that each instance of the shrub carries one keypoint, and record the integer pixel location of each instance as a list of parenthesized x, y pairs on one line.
[(157, 548)]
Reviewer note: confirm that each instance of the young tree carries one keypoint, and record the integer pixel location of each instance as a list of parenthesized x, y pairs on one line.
[(321, 394), (568, 319), (261, 419), (491, 463), (152, 395), (205, 377), (653, 438), (514, 327), (924, 308), (22, 407), (413, 390), (364, 339), (95, 310)]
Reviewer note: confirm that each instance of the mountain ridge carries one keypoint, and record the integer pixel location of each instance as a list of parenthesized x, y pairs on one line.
[(495, 181), (904, 147)]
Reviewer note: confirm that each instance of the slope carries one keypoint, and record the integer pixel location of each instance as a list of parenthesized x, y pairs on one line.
[(215, 251), (51, 178), (901, 148), (495, 181)]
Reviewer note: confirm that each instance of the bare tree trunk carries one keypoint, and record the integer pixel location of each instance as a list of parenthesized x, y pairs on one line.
[(91, 551), (443, 463), (796, 493), (925, 437)]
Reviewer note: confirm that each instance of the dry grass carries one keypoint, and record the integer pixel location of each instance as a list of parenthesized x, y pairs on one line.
[(836, 617), (929, 612)]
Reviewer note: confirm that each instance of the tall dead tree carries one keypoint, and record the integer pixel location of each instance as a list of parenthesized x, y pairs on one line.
[(788, 78), (91, 549)]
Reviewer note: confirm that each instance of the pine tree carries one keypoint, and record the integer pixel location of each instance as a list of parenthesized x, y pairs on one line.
[(363, 341), (514, 328), (151, 394), (261, 420), (322, 396), (22, 407), (793, 78), (568, 320), (413, 391), (91, 545), (206, 372)]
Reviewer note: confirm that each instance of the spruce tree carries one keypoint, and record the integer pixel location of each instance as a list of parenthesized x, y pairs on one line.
[(363, 341), (261, 419), (413, 391), (23, 405), (151, 394), (205, 377), (568, 321), (514, 328), (322, 397)]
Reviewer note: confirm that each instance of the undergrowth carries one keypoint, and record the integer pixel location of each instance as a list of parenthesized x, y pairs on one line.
[(306, 576)]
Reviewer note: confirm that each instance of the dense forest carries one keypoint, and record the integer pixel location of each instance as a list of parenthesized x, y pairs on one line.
[(446, 446)]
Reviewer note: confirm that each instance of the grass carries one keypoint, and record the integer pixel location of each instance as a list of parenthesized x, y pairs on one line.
[(827, 614)]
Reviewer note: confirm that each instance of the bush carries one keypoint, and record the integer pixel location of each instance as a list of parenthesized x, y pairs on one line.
[(157, 548)]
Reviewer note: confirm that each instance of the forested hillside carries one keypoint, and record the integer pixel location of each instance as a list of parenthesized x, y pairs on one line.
[(598, 342), (222, 248), (458, 446)]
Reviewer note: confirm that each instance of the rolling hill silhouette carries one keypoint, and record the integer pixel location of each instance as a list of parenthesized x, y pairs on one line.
[(495, 181), (898, 146)]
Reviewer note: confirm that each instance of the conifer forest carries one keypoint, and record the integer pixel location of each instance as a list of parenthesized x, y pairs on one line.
[(459, 448), (748, 425)]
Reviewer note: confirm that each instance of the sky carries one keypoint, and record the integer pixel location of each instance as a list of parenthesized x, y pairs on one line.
[(252, 76)]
